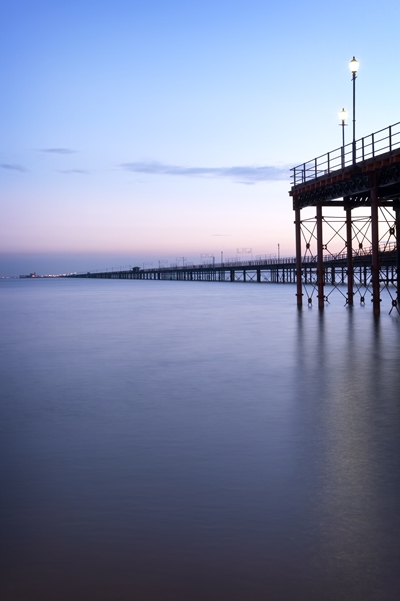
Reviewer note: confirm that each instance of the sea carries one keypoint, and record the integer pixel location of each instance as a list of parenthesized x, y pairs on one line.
[(196, 441)]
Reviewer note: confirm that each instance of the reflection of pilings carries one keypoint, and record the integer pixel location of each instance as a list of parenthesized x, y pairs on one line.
[(375, 251), (349, 246), (320, 259), (298, 258), (396, 207)]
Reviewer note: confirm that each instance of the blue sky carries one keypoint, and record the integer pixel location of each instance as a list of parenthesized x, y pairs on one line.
[(134, 132)]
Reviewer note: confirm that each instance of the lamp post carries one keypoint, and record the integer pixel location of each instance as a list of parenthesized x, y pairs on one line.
[(354, 68), (343, 117)]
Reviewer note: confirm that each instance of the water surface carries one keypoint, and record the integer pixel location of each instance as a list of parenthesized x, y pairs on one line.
[(192, 440)]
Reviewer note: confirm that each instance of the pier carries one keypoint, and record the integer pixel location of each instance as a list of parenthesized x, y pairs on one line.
[(274, 271), (363, 179), (354, 252)]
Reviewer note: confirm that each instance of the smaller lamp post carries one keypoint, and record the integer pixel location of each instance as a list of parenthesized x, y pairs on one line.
[(354, 68), (343, 117)]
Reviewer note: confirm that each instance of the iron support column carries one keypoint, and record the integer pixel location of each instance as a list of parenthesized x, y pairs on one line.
[(354, 118), (396, 207), (375, 251), (298, 258), (320, 259), (350, 269)]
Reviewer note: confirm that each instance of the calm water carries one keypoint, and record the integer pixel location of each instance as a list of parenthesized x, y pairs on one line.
[(196, 441)]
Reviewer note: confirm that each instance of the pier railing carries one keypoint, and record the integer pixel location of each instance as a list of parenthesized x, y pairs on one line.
[(278, 262), (385, 140), (232, 263)]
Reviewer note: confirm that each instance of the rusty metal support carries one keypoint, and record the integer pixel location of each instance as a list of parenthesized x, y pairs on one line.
[(349, 247), (298, 258), (396, 208), (320, 259), (375, 251)]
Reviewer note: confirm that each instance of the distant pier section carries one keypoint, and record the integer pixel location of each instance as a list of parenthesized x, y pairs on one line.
[(263, 271)]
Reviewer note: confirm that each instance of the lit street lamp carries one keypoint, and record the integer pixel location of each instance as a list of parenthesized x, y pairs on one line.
[(354, 68)]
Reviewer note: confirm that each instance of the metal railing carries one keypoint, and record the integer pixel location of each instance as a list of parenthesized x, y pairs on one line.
[(384, 247), (256, 263), (383, 141)]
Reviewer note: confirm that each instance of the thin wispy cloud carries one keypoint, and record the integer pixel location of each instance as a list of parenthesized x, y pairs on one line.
[(250, 174), (58, 150), (13, 167), (72, 171)]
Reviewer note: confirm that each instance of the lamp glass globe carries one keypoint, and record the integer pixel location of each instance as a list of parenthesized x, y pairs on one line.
[(354, 65)]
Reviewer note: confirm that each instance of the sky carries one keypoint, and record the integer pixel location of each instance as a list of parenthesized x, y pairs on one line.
[(134, 132)]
